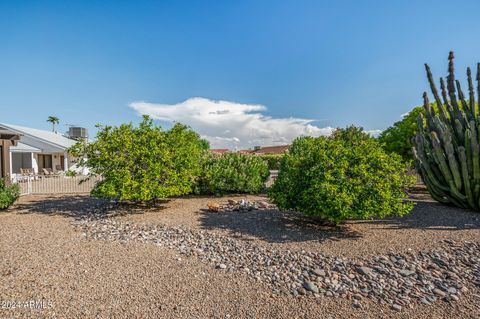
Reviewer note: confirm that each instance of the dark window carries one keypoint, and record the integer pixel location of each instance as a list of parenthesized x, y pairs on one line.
[(44, 161)]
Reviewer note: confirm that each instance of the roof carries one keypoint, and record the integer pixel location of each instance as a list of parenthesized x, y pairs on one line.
[(51, 138), (218, 150), (9, 135), (24, 148), (281, 149)]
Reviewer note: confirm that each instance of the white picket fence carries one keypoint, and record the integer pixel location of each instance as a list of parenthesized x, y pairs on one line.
[(39, 184)]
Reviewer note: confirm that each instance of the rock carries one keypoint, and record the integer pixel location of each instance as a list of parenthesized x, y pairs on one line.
[(399, 280), (319, 272), (366, 271), (439, 292), (424, 301), (406, 273), (232, 202), (396, 307), (357, 296), (310, 286), (452, 290), (262, 204), (215, 207)]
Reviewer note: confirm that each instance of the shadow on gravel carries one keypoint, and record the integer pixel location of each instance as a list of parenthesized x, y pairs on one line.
[(274, 226), (281, 227), (78, 206), (431, 216)]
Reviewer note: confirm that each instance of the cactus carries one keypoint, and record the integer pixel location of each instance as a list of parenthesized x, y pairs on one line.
[(447, 145)]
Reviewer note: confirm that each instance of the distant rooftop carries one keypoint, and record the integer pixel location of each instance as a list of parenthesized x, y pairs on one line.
[(281, 149), (218, 150)]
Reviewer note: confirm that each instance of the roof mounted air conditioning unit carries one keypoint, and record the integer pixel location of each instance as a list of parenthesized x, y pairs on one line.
[(77, 133)]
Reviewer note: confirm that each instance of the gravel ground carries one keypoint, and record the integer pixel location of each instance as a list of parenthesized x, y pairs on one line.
[(428, 224), (43, 258)]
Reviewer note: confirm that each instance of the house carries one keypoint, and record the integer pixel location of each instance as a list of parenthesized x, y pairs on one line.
[(218, 150), (281, 149), (37, 150), (7, 140)]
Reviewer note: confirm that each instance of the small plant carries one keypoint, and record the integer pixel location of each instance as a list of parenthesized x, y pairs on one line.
[(233, 173), (8, 194), (273, 160), (70, 173), (345, 176)]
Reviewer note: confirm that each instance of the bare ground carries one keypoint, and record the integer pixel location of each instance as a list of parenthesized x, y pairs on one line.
[(42, 257)]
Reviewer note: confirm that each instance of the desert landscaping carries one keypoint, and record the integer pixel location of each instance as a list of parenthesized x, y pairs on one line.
[(239, 159), (85, 258)]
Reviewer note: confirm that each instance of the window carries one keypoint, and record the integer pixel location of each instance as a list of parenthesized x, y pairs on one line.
[(21, 160), (44, 161)]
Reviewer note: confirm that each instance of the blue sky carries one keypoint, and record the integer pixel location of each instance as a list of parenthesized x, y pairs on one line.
[(335, 62)]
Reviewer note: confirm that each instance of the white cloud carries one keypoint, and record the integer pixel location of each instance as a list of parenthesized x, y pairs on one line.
[(232, 125), (374, 133)]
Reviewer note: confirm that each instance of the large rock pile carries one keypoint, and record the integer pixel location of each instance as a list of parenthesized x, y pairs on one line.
[(239, 206), (398, 280)]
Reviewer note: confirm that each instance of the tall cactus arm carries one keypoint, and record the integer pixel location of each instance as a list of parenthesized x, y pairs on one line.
[(428, 111), (452, 160), (451, 85), (475, 150), (419, 156), (466, 108), (457, 194), (459, 131), (471, 94), (441, 109), (441, 159), (478, 86), (448, 106), (466, 180), (468, 151)]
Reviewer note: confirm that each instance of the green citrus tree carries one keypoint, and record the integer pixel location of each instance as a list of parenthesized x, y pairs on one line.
[(398, 137), (233, 173), (142, 163), (345, 176)]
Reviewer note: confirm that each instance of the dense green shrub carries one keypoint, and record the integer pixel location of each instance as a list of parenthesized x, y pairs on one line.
[(8, 194), (273, 160), (233, 173), (345, 176), (398, 137), (143, 163)]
